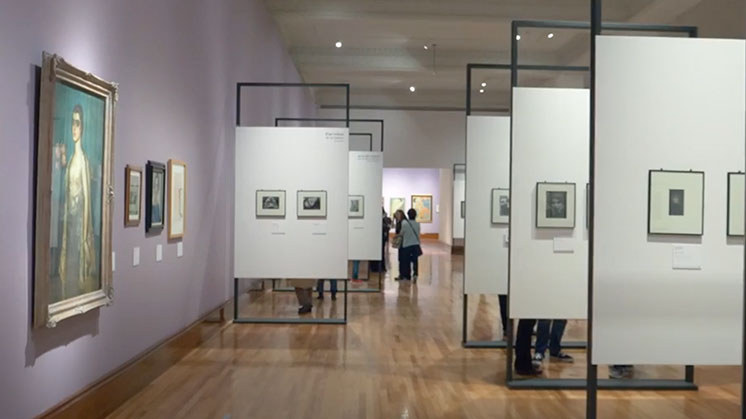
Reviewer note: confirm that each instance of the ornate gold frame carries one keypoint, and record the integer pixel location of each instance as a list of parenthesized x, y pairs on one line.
[(55, 68)]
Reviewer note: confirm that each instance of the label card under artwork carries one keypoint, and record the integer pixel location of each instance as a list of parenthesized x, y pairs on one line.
[(158, 252), (563, 245), (179, 249), (136, 256), (318, 229), (687, 257), (278, 228)]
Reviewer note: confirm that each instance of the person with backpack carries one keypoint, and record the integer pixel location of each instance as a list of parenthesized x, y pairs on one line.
[(410, 249)]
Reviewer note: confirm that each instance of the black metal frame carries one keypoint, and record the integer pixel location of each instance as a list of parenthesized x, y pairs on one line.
[(346, 120), (650, 196), (591, 380), (377, 121), (365, 134)]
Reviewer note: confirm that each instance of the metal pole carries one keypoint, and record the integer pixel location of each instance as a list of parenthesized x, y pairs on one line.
[(235, 299), (463, 327), (346, 281), (238, 104)]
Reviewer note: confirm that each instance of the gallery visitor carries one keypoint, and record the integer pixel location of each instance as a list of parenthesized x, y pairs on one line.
[(355, 270), (410, 249), (524, 364), (332, 286), (549, 336), (304, 293)]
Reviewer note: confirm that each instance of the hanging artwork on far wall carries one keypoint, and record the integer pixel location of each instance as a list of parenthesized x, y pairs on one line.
[(676, 202), (176, 199), (356, 206), (270, 203), (155, 196), (423, 204), (74, 193), (736, 203), (500, 206), (132, 195), (396, 204), (311, 204), (555, 205)]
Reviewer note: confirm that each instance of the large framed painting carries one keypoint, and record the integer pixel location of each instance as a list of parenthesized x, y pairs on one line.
[(396, 204), (270, 203), (72, 265), (676, 202), (356, 206), (132, 195), (736, 203), (500, 206), (311, 204), (555, 205), (155, 197), (423, 204), (176, 199)]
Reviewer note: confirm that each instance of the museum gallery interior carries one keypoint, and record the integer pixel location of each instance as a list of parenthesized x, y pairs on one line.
[(373, 209)]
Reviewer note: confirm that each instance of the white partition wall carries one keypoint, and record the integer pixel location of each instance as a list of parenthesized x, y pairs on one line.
[(291, 159), (672, 104), (548, 266), (459, 195), (366, 179), (487, 168)]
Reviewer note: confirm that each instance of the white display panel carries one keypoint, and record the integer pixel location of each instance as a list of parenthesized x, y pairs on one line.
[(366, 179), (291, 159), (459, 195), (672, 104), (548, 266), (487, 168)]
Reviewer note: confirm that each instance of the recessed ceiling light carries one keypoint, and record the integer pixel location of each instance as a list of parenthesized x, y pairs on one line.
[(518, 37), (338, 44), (550, 36), (412, 89), (426, 47), (484, 84), (481, 90)]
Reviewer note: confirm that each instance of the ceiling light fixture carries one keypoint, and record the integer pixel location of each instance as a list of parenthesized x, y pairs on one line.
[(338, 44), (550, 36), (426, 47), (481, 90), (412, 89), (484, 84), (518, 37)]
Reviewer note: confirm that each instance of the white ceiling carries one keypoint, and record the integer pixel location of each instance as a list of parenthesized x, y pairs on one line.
[(383, 54)]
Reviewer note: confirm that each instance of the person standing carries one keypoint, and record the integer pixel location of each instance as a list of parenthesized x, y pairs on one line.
[(549, 335), (410, 247), (304, 293), (320, 288), (524, 365)]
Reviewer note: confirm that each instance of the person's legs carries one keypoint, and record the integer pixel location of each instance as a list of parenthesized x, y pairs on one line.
[(523, 364), (416, 265), (555, 341), (320, 288), (304, 298), (355, 269), (542, 337), (504, 313), (333, 286), (404, 263)]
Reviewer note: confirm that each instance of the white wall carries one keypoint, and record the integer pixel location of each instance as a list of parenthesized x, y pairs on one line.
[(445, 229), (366, 178), (291, 159), (550, 143), (459, 194), (487, 167), (403, 183), (673, 104)]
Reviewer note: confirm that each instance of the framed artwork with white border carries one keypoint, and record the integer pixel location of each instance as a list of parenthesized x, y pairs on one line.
[(270, 203), (555, 205), (500, 206), (176, 199), (356, 206), (132, 195), (676, 202), (736, 184), (311, 204)]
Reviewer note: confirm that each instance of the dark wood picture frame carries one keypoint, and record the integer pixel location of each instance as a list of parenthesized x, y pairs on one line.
[(128, 170), (650, 194), (150, 169)]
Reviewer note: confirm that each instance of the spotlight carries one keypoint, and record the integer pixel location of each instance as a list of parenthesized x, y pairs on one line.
[(426, 47), (550, 36), (412, 89), (338, 44), (484, 84), (481, 90), (518, 37)]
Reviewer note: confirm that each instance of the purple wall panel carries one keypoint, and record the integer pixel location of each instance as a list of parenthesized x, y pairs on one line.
[(177, 62)]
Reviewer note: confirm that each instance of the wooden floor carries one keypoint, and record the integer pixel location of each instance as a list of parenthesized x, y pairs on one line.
[(399, 356)]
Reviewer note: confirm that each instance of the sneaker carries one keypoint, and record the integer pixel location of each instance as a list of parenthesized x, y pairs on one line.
[(562, 357), (618, 372), (539, 357), (414, 278)]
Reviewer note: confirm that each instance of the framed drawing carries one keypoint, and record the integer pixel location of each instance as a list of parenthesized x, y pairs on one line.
[(176, 199), (676, 202), (74, 193), (500, 206), (423, 204), (463, 209), (396, 204), (736, 203), (311, 204), (155, 196), (270, 203), (132, 195), (555, 205), (356, 206)]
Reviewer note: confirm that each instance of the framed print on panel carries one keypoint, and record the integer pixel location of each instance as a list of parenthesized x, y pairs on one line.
[(500, 206), (176, 199), (736, 203), (132, 195), (555, 205), (311, 204), (74, 193), (356, 206), (423, 204), (155, 196), (676, 202), (270, 203), (463, 209), (396, 204)]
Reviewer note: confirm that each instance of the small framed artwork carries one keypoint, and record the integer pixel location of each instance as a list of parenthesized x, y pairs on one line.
[(176, 199), (676, 202), (500, 206), (270, 203), (155, 196), (132, 195), (736, 184), (423, 204), (396, 204), (311, 204), (356, 206), (463, 209), (555, 205)]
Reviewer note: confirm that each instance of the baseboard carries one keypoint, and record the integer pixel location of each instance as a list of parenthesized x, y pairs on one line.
[(430, 236), (106, 395), (457, 250)]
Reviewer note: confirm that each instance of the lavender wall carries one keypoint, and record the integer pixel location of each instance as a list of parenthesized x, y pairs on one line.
[(404, 182), (177, 62)]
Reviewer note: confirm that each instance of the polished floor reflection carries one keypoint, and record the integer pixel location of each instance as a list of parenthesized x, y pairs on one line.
[(399, 356)]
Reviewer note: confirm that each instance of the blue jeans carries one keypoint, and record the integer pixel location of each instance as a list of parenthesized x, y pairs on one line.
[(320, 286), (406, 259), (552, 339), (355, 269)]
